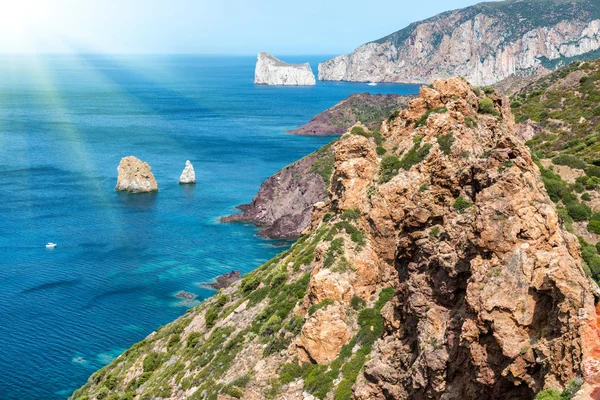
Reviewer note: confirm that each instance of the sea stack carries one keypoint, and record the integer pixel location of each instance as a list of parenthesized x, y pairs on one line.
[(272, 71), (135, 176), (188, 175)]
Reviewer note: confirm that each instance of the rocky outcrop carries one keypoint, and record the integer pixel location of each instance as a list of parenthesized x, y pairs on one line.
[(484, 43), (135, 176), (438, 270), (188, 175), (284, 202), (272, 71), (368, 109), (225, 280)]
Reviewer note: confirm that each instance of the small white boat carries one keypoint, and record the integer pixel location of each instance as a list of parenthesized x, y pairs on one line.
[(50, 245), (372, 84)]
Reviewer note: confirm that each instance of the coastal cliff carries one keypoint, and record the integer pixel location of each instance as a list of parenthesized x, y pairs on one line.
[(283, 205), (437, 268), (370, 110), (272, 71), (484, 43)]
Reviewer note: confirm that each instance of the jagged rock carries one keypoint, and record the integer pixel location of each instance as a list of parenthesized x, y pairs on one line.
[(272, 71), (225, 280), (485, 43), (135, 176), (188, 175), (324, 334)]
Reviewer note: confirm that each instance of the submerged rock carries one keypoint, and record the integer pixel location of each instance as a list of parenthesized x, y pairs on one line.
[(188, 175), (135, 176), (272, 71), (185, 295)]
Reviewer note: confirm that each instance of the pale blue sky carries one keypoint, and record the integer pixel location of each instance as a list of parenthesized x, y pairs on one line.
[(206, 27)]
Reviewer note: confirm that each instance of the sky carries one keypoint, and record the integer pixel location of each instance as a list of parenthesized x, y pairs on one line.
[(233, 27)]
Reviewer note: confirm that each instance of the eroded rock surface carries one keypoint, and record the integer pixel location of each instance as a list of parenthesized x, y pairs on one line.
[(135, 176)]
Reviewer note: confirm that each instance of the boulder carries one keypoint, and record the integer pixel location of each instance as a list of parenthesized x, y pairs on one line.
[(135, 176), (188, 175)]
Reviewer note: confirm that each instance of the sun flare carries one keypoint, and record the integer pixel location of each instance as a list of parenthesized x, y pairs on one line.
[(23, 22)]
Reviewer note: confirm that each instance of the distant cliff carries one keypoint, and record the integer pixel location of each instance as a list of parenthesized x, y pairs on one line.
[(368, 109), (272, 71), (484, 43)]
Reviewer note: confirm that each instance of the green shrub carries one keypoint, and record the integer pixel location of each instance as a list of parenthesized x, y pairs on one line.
[(357, 130), (352, 214), (486, 106), (415, 156), (548, 394), (579, 211), (592, 170), (470, 122), (445, 142), (152, 361), (586, 197), (594, 227), (102, 393), (323, 304), (357, 303), (569, 160), (390, 165), (488, 90), (460, 204), (381, 150), (249, 283)]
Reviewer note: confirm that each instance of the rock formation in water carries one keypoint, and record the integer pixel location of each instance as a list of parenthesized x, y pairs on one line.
[(437, 269), (484, 43), (284, 201), (368, 109), (135, 176), (188, 175), (225, 280), (272, 71)]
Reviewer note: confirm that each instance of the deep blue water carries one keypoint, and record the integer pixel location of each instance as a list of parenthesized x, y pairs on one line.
[(65, 122)]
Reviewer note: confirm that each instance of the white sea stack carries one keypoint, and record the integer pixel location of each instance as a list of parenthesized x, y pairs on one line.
[(188, 175), (135, 176), (272, 71)]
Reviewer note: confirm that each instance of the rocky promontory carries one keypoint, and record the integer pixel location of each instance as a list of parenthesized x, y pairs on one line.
[(188, 175), (284, 202), (485, 43), (272, 71), (370, 110), (135, 176)]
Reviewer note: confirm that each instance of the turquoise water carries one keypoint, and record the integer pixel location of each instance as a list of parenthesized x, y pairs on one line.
[(65, 122)]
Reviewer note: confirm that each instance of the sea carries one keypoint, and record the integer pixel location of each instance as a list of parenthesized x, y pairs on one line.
[(65, 123)]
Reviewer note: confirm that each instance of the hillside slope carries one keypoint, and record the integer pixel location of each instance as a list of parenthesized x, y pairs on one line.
[(370, 110), (436, 269), (484, 43)]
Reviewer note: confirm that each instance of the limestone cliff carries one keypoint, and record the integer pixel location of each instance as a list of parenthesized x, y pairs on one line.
[(484, 43), (135, 176), (436, 269), (188, 175), (272, 71)]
